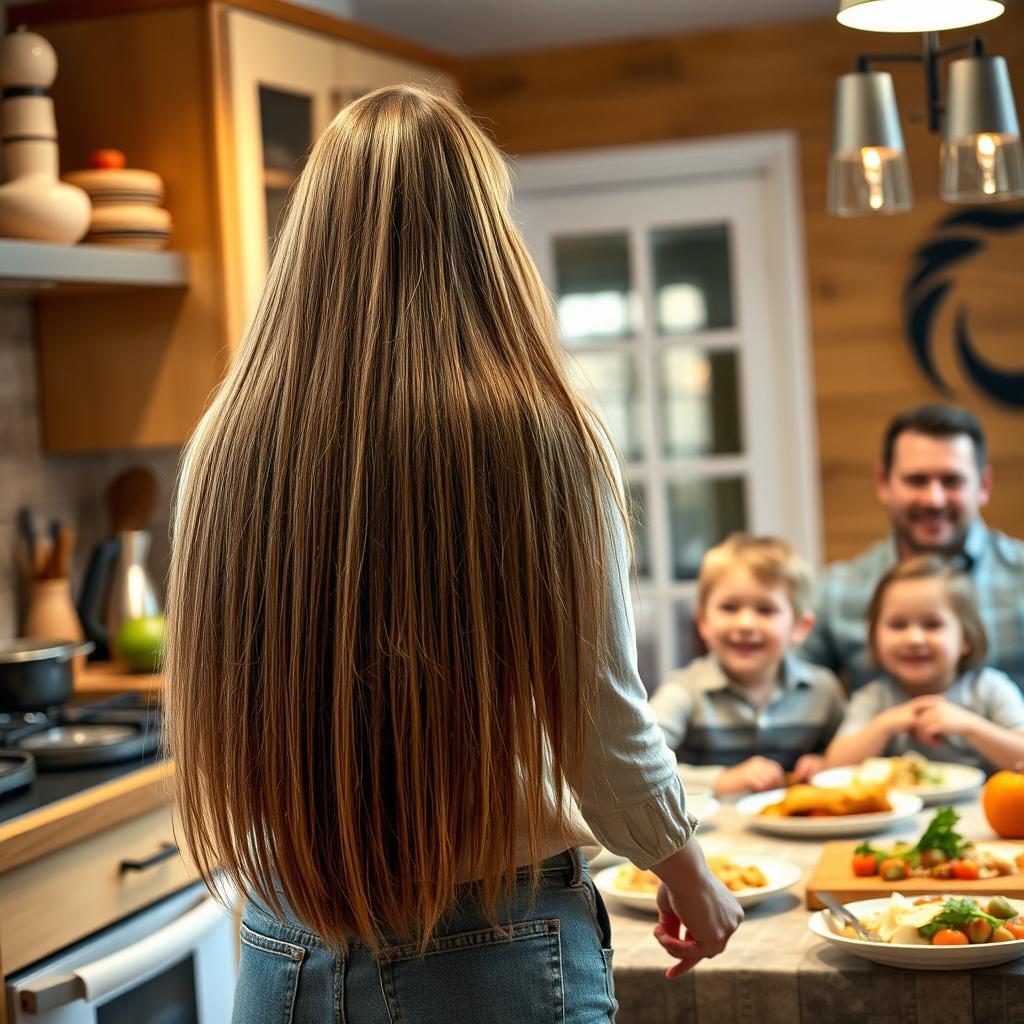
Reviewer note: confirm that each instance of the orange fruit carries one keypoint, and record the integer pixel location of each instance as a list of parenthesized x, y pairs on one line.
[(1003, 802), (107, 159)]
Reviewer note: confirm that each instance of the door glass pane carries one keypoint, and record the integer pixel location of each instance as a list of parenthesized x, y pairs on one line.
[(610, 382), (595, 296), (700, 406), (701, 513), (286, 128), (692, 279), (636, 501)]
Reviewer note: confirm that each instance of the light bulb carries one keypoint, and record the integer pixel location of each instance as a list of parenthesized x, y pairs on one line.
[(872, 161), (986, 150)]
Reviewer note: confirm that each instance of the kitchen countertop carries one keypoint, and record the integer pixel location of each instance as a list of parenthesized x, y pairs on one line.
[(115, 797)]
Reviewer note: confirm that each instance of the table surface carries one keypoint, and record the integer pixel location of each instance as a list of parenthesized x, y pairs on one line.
[(775, 971)]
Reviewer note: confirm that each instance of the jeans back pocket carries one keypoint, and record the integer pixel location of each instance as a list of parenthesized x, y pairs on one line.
[(478, 977), (268, 979)]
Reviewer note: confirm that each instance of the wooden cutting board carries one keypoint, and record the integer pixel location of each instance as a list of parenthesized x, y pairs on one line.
[(834, 874)]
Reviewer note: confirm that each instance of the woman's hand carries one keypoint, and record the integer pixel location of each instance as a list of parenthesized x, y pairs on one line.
[(756, 773), (691, 898)]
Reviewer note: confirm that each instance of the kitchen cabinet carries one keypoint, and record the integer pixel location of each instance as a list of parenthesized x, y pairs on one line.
[(56, 899), (222, 100)]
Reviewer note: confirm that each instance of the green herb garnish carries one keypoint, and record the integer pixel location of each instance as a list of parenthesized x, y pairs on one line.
[(939, 835), (955, 914)]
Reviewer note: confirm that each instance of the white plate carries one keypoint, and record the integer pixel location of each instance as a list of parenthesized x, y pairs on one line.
[(920, 958), (904, 805), (780, 874), (699, 802), (957, 780)]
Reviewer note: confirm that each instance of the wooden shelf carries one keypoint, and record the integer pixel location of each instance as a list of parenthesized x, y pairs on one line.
[(108, 678), (43, 268)]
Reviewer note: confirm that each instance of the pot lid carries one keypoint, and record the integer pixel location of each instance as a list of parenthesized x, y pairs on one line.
[(32, 649)]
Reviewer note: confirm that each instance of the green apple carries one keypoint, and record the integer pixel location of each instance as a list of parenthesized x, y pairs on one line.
[(139, 643)]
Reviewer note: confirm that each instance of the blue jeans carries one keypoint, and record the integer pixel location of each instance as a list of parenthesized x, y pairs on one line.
[(555, 969)]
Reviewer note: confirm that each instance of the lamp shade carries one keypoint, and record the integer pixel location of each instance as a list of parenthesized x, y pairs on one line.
[(916, 15), (868, 170), (982, 156)]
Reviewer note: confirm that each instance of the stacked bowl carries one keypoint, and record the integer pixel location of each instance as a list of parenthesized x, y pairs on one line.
[(126, 208)]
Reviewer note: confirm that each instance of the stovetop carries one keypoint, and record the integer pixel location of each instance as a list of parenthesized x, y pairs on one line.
[(58, 777), (49, 787)]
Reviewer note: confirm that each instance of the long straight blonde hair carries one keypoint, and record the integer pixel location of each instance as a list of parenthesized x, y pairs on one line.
[(386, 611)]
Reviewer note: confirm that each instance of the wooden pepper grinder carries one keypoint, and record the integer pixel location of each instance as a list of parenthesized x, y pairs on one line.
[(34, 203)]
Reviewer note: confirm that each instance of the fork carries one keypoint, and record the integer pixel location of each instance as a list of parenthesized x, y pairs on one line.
[(837, 910)]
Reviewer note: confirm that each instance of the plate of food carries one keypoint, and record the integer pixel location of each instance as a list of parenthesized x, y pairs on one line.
[(750, 879), (933, 781), (814, 812), (932, 933)]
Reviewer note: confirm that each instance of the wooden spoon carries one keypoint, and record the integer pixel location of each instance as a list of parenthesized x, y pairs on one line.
[(131, 497)]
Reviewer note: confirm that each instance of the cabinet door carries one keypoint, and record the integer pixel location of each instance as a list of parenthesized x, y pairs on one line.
[(282, 93), (360, 71)]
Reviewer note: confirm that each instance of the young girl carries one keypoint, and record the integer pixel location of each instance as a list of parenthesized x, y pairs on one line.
[(401, 660), (936, 697)]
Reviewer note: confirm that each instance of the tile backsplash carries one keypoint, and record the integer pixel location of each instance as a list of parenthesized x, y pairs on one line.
[(70, 487)]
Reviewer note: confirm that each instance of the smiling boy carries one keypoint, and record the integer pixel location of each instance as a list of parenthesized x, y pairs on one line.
[(750, 711)]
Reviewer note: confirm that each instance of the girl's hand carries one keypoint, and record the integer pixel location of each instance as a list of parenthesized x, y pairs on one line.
[(756, 773), (808, 766), (941, 718), (902, 718), (699, 904)]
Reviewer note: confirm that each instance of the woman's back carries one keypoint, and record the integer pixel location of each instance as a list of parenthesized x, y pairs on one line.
[(383, 594), (401, 659)]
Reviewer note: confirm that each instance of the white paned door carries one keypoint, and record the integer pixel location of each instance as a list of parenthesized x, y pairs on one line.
[(668, 298)]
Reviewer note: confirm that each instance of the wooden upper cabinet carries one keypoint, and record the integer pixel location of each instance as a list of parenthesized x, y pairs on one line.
[(223, 100)]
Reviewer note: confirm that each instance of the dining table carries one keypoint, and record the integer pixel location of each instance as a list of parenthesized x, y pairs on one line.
[(776, 971)]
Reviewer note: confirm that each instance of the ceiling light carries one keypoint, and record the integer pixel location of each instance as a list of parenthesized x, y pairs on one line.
[(916, 15), (868, 170), (982, 155)]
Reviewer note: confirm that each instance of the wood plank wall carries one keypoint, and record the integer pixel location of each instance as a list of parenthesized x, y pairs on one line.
[(782, 78)]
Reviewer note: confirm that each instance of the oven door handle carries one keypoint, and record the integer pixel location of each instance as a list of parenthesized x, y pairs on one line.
[(131, 965)]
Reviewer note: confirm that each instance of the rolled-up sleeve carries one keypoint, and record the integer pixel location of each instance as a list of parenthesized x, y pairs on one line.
[(630, 796)]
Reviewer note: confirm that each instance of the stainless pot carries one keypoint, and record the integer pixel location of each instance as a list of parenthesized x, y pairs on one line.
[(36, 674)]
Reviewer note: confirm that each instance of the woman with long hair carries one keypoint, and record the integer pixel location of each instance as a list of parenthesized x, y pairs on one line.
[(401, 671)]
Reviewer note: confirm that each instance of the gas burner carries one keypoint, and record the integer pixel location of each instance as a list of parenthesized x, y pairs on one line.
[(82, 736), (87, 743), (17, 770)]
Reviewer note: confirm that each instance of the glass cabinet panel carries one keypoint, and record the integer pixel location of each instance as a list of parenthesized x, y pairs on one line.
[(692, 280), (595, 293), (286, 129), (699, 403), (702, 513)]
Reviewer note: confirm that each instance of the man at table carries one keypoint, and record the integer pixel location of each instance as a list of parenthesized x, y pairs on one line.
[(934, 478)]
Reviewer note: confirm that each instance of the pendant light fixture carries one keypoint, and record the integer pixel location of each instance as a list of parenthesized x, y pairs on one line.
[(916, 15), (982, 155)]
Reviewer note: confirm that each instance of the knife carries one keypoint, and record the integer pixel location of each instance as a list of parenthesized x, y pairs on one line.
[(838, 910)]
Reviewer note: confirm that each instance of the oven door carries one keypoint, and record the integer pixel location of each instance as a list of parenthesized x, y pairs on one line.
[(173, 963)]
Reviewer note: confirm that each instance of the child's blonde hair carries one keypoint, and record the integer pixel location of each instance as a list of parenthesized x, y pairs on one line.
[(961, 600), (768, 559)]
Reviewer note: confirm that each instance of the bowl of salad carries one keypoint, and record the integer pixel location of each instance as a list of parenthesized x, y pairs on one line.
[(932, 933)]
